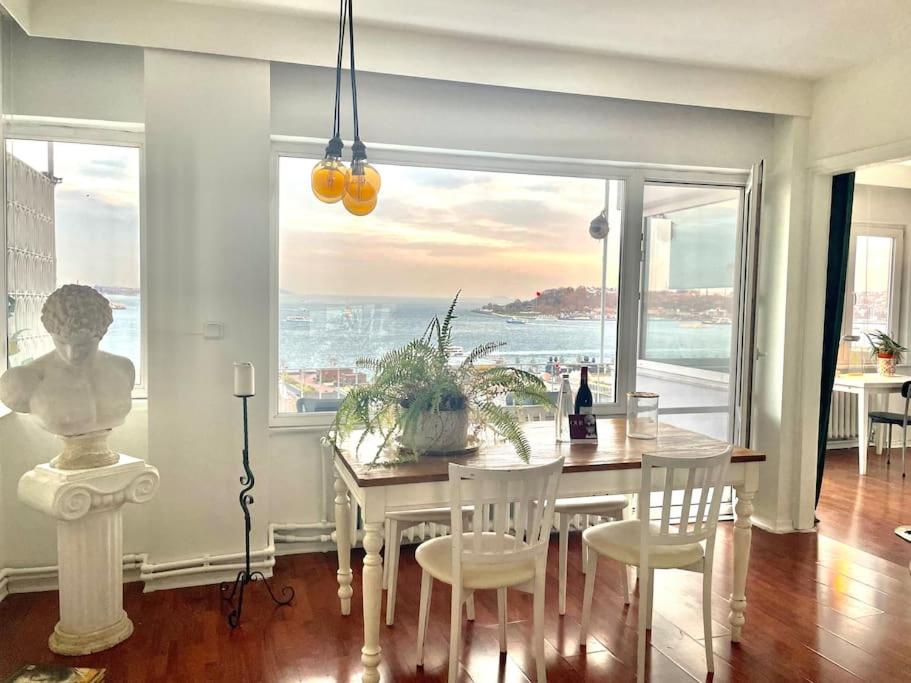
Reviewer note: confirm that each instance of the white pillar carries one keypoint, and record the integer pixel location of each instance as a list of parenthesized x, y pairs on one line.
[(87, 506)]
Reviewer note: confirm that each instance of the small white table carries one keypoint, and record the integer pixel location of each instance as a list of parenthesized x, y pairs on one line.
[(868, 388)]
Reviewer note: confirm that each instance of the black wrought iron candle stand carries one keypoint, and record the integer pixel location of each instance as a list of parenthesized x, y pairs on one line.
[(231, 590)]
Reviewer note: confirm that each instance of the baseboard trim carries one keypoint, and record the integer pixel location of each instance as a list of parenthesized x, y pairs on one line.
[(196, 571), (781, 526)]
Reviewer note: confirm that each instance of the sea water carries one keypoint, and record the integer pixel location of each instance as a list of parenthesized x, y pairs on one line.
[(325, 332)]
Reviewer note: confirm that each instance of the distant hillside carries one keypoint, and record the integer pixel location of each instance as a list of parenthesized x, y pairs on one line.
[(585, 302), (563, 301)]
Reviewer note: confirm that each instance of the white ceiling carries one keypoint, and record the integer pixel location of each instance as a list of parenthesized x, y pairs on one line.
[(886, 175), (799, 38)]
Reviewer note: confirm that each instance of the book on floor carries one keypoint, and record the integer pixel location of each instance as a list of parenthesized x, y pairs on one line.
[(33, 673)]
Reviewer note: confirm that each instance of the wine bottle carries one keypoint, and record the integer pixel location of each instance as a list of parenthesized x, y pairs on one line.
[(584, 395)]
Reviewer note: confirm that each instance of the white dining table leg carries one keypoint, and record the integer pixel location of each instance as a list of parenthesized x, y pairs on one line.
[(343, 544), (743, 533), (863, 437), (372, 590)]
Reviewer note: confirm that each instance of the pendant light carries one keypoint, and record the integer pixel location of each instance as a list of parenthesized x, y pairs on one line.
[(330, 176), (331, 181)]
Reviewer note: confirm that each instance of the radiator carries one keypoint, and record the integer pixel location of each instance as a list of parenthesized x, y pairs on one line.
[(842, 417), (422, 532)]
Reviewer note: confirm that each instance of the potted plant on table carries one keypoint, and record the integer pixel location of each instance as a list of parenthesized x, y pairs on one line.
[(425, 400), (886, 351)]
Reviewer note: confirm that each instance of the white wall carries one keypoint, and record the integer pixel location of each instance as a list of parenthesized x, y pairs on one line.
[(782, 240), (207, 182), (208, 121), (464, 116), (70, 79), (303, 38), (865, 108), (885, 175), (860, 117), (31, 535)]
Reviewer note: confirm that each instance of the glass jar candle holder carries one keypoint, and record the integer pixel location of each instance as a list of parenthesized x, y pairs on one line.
[(642, 415)]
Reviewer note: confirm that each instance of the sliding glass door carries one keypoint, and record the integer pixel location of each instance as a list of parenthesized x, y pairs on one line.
[(688, 303)]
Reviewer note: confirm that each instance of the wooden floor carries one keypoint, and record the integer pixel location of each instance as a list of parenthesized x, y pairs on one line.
[(833, 606)]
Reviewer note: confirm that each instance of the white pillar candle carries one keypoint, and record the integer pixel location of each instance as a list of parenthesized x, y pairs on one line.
[(243, 379)]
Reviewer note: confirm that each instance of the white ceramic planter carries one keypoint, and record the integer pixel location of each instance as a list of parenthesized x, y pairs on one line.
[(439, 432), (886, 365)]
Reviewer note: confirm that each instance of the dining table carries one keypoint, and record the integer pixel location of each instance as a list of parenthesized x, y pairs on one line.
[(610, 466), (872, 391)]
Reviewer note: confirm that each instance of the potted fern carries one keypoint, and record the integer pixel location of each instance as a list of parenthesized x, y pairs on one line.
[(886, 351), (423, 401)]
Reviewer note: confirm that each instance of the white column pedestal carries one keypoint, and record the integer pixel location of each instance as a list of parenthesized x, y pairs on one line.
[(87, 506)]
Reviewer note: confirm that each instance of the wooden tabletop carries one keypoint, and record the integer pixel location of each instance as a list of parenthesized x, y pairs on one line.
[(870, 379), (613, 451)]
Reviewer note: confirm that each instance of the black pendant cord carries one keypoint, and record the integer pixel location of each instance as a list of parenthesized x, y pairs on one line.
[(357, 132), (342, 20), (245, 576)]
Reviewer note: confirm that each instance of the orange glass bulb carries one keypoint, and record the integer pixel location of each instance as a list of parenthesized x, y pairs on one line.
[(329, 179), (359, 207), (364, 182)]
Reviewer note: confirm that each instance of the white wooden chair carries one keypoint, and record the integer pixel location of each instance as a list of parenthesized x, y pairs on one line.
[(611, 507), (689, 544), (520, 500), (397, 523)]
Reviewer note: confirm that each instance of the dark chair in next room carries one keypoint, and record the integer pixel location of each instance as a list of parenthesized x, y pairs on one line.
[(897, 419)]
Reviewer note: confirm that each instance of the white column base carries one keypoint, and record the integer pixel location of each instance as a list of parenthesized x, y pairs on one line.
[(87, 506), (73, 644)]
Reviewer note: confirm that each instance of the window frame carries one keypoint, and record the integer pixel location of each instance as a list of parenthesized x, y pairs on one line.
[(737, 286), (870, 229), (89, 133), (634, 177)]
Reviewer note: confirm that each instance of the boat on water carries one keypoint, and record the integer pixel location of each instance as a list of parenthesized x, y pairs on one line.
[(515, 321), (299, 320), (117, 306)]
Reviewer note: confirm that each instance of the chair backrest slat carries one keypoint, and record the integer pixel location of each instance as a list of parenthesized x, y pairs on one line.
[(702, 484), (666, 504), (687, 497), (702, 480), (519, 501)]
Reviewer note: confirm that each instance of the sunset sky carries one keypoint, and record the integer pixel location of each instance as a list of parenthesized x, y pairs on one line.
[(493, 235)]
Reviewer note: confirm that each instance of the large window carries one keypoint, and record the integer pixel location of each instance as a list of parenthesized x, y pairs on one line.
[(74, 217), (872, 290), (653, 307), (517, 246)]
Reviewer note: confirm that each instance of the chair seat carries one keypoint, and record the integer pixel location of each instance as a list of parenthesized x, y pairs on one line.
[(435, 557), (620, 541), (886, 417), (591, 505)]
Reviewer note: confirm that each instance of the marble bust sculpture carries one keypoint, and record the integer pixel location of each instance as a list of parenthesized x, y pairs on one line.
[(75, 391)]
